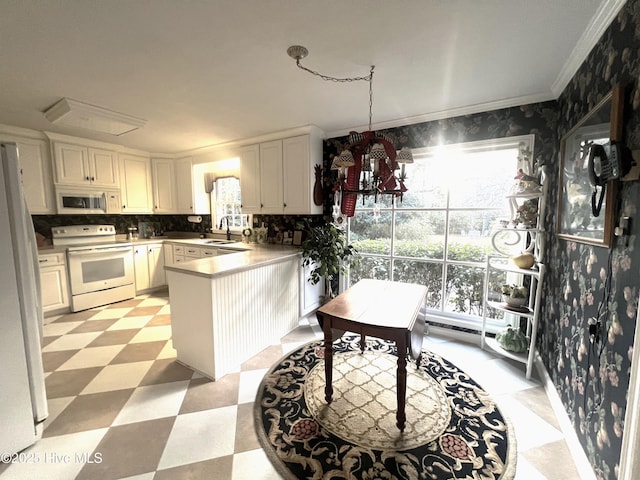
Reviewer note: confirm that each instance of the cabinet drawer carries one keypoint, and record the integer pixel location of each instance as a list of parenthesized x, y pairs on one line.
[(209, 252), (178, 249), (51, 259), (178, 258), (193, 252)]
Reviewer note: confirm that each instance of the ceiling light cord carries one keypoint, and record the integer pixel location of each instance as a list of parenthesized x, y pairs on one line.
[(298, 52), (368, 78)]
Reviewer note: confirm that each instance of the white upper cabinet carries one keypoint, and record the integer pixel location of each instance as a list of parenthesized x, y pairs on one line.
[(250, 178), (184, 186), (173, 185), (84, 166), (163, 185), (104, 167), (135, 184), (271, 200), (278, 177), (300, 155), (35, 164)]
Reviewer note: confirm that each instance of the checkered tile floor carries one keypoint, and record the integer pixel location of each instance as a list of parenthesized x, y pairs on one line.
[(120, 406)]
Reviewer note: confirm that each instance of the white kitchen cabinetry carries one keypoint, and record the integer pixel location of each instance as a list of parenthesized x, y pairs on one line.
[(157, 277), (184, 186), (186, 253), (172, 186), (149, 266), (300, 155), (250, 178), (310, 295), (135, 184), (35, 165), (271, 195), (85, 166), (167, 249), (53, 282), (163, 185), (277, 177)]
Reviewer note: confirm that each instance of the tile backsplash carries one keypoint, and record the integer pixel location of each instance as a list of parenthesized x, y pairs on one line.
[(159, 224)]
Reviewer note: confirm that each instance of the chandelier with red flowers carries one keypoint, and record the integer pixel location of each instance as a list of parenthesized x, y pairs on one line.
[(367, 166)]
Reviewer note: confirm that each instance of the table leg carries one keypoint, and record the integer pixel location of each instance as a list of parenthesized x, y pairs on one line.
[(328, 359), (363, 342), (401, 417)]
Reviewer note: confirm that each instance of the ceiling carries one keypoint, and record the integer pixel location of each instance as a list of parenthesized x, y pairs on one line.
[(204, 73)]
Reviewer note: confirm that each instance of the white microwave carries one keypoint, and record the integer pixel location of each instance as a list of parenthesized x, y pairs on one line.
[(72, 200)]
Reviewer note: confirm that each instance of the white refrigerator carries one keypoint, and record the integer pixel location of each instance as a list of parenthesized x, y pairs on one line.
[(23, 402)]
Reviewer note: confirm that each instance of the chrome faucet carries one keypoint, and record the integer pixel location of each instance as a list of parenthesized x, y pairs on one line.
[(228, 231)]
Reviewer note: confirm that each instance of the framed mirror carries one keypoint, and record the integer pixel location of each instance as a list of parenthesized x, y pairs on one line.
[(576, 219)]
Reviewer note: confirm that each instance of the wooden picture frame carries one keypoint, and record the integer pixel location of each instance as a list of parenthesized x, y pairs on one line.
[(575, 219)]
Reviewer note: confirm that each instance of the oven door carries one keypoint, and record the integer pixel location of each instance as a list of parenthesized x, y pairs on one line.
[(98, 268)]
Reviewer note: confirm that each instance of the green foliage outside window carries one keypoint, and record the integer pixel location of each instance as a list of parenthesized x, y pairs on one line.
[(463, 288)]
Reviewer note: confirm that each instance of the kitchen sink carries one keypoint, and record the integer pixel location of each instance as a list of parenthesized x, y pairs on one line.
[(218, 242)]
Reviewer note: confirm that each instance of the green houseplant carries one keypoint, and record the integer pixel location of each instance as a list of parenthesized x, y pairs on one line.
[(327, 251)]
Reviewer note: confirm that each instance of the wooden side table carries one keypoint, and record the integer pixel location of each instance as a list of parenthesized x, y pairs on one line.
[(382, 309)]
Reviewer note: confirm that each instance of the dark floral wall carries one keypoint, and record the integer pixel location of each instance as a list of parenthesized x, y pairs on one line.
[(592, 379)]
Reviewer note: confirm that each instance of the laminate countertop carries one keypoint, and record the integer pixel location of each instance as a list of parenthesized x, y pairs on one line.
[(251, 256)]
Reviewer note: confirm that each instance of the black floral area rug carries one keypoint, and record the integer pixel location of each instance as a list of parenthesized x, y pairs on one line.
[(454, 430)]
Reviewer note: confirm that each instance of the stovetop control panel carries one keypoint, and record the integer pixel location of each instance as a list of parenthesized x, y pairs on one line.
[(83, 231), (80, 234)]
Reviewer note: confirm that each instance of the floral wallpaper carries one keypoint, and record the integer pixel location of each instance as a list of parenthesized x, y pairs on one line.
[(583, 282), (589, 283)]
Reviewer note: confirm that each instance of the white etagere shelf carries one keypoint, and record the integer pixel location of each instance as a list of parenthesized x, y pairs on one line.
[(532, 241)]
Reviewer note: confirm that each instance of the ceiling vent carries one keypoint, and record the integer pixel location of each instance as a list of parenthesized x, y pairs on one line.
[(72, 113)]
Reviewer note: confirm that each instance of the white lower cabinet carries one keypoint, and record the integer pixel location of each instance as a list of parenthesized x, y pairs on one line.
[(310, 295), (186, 253), (149, 266), (53, 282)]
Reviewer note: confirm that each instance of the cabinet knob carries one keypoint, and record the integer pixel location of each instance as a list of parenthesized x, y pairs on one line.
[(261, 205), (93, 179), (86, 178), (124, 206), (284, 205)]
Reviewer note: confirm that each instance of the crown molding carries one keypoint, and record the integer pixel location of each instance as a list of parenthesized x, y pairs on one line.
[(234, 144), (454, 112), (589, 38)]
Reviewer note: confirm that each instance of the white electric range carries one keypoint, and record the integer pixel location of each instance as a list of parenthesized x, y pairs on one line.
[(100, 267)]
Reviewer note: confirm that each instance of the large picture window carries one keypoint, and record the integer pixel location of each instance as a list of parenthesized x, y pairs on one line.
[(440, 234)]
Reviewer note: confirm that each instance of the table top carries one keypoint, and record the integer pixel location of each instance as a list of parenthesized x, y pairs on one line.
[(378, 303)]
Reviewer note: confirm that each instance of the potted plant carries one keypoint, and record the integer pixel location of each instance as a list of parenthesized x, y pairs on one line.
[(514, 295), (327, 251)]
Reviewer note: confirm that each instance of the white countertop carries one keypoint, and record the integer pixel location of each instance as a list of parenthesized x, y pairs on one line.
[(252, 256)]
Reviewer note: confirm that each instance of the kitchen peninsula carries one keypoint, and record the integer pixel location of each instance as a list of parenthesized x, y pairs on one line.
[(227, 308)]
